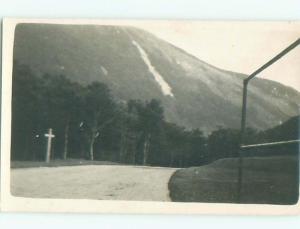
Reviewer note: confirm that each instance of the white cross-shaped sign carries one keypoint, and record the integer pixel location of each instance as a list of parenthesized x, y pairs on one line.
[(49, 135)]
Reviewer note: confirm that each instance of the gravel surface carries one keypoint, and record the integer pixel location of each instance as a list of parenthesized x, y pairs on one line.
[(102, 182)]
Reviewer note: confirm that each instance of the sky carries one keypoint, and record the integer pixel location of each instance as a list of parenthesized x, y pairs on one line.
[(236, 46)]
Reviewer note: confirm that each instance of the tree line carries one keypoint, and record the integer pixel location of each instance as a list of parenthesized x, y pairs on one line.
[(88, 122)]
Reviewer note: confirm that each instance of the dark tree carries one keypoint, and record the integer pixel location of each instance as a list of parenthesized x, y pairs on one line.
[(26, 113), (223, 143), (88, 122), (99, 108), (62, 106)]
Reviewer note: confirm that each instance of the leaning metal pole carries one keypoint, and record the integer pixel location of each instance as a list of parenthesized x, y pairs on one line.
[(242, 140), (244, 113)]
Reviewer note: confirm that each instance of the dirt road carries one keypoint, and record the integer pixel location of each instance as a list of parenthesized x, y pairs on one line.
[(103, 182)]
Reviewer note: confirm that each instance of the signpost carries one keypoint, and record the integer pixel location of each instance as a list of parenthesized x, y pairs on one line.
[(49, 135)]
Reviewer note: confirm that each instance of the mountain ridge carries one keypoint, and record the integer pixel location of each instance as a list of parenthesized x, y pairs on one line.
[(205, 96)]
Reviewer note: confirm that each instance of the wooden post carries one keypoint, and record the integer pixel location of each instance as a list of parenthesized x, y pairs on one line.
[(49, 135)]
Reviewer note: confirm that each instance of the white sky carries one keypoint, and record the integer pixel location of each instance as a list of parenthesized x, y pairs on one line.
[(236, 46)]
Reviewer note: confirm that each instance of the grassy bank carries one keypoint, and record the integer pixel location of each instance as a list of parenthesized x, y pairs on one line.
[(266, 180)]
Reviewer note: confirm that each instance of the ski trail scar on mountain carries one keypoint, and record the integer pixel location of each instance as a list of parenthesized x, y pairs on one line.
[(165, 87)]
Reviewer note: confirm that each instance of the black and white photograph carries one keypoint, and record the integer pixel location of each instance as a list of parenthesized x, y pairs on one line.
[(139, 111)]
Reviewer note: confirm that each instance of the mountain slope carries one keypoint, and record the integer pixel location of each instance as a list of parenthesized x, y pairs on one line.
[(288, 130), (137, 65)]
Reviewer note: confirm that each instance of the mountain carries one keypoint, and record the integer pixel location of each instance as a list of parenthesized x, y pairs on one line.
[(289, 130), (137, 65)]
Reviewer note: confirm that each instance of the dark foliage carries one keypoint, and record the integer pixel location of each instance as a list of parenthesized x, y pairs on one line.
[(88, 122)]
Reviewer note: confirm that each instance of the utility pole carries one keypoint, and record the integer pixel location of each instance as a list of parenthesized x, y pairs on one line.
[(244, 109)]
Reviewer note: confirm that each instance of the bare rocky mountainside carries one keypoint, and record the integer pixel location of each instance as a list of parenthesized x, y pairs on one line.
[(137, 65)]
